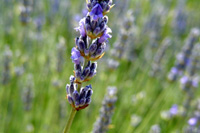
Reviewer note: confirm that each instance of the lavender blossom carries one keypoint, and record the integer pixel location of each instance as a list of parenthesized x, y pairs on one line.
[(106, 111), (157, 64), (28, 94), (78, 100), (120, 46), (97, 6), (76, 56), (155, 129), (180, 20), (193, 122), (96, 12), (190, 80), (6, 74), (90, 46), (183, 57), (26, 11), (173, 112)]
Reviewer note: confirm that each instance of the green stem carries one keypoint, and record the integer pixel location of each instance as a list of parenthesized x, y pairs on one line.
[(70, 120)]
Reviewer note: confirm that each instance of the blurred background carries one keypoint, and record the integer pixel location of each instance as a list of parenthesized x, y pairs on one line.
[(152, 59)]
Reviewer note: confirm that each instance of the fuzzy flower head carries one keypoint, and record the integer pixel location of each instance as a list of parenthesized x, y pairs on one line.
[(76, 56)]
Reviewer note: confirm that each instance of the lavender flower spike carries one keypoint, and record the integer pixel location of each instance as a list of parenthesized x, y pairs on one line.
[(76, 56), (106, 112), (93, 28)]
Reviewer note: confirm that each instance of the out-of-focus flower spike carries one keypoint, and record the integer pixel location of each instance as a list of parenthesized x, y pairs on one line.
[(106, 111)]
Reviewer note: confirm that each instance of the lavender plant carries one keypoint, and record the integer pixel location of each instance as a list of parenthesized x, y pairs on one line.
[(194, 120), (190, 80), (25, 12), (90, 47), (182, 59), (180, 20), (157, 64), (6, 73), (155, 129), (27, 94), (102, 123), (120, 46)]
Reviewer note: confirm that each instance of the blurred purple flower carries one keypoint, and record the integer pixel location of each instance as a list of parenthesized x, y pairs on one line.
[(184, 80), (76, 56), (195, 82), (174, 109), (105, 35), (81, 27), (192, 121), (96, 12), (174, 70)]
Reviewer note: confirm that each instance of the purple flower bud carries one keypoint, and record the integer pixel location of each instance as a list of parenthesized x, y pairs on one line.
[(89, 93), (97, 31), (83, 93), (93, 48), (67, 88), (86, 52), (105, 35), (76, 95), (93, 66), (94, 24), (88, 101), (81, 28), (76, 56), (72, 78), (81, 45), (71, 89), (87, 20), (100, 50), (85, 73), (96, 12), (92, 73), (192, 121), (78, 74), (102, 25), (82, 101), (105, 18), (70, 99), (77, 67)]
